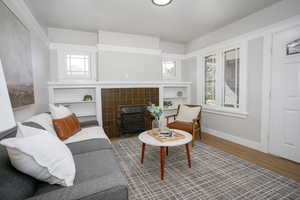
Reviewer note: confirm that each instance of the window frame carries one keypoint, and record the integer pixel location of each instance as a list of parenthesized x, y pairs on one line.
[(177, 66), (64, 76), (219, 108), (212, 53)]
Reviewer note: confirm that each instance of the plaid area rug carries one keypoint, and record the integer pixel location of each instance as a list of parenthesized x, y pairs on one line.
[(214, 175)]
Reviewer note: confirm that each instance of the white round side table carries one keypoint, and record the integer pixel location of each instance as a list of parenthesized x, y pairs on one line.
[(145, 138)]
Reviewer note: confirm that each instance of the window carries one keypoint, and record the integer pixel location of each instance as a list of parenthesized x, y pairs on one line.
[(231, 78), (77, 65), (224, 81), (210, 79), (169, 70)]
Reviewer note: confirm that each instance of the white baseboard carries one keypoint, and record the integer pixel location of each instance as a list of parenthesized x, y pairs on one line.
[(248, 143)]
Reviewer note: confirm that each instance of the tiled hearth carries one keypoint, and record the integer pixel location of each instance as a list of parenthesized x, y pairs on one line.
[(113, 98)]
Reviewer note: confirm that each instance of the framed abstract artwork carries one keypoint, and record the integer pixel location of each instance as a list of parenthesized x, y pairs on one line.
[(15, 54)]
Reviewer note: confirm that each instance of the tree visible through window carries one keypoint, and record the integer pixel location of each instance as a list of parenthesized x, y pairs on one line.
[(231, 78), (210, 79)]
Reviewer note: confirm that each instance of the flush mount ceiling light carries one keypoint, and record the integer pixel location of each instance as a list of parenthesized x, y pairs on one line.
[(161, 2)]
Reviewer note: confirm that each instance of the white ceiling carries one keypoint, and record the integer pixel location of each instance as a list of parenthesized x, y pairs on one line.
[(181, 21)]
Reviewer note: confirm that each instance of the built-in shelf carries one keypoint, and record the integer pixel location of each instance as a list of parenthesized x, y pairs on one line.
[(72, 94), (74, 102), (175, 97)]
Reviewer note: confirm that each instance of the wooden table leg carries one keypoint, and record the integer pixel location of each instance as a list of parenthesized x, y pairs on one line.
[(188, 155), (143, 152), (162, 162), (167, 151)]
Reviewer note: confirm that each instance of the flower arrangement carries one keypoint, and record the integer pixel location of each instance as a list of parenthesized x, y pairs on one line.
[(155, 110)]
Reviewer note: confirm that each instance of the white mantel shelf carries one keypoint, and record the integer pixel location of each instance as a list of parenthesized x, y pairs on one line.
[(117, 83)]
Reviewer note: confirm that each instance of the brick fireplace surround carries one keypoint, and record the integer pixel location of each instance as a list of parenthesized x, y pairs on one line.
[(114, 98)]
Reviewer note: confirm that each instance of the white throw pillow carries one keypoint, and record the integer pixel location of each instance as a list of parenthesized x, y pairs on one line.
[(187, 114), (26, 131), (58, 112), (45, 120), (42, 156)]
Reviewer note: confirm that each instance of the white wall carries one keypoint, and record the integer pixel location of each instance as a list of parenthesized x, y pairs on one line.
[(189, 74), (40, 64), (117, 65), (40, 60), (68, 36), (270, 15), (128, 40), (248, 128), (120, 66)]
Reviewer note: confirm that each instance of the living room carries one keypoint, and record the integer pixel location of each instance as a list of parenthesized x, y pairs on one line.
[(153, 99)]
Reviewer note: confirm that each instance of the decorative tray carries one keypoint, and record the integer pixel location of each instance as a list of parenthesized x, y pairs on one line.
[(163, 138)]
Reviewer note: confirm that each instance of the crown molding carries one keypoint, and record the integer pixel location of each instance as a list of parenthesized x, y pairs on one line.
[(20, 9), (173, 56), (124, 49), (73, 47)]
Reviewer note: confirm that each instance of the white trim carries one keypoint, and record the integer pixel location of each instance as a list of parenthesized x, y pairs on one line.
[(72, 47), (114, 48), (231, 112), (20, 9), (266, 91), (173, 56), (245, 142)]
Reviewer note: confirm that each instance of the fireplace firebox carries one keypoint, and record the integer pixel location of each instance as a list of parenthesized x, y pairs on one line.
[(132, 119)]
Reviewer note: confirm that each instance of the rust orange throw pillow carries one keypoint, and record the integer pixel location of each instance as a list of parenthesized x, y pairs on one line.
[(66, 127)]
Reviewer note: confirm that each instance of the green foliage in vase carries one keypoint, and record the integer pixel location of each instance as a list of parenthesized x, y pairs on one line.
[(155, 110)]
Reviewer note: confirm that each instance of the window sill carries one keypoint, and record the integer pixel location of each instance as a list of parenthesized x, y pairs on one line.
[(225, 111)]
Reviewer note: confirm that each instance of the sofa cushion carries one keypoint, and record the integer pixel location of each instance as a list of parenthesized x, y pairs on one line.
[(11, 178), (87, 134), (44, 120), (49, 161), (187, 113), (66, 127), (89, 146), (98, 177)]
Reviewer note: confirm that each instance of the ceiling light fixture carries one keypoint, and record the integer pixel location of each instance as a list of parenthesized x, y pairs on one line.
[(161, 2)]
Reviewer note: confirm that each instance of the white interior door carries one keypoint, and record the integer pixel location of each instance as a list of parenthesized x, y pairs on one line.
[(285, 98)]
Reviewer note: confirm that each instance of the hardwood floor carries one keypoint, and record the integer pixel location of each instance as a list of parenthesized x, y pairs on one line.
[(276, 164)]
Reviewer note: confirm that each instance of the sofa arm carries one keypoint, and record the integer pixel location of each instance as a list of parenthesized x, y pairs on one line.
[(87, 124)]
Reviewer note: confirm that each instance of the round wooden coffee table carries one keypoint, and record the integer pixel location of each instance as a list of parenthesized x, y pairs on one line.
[(145, 138)]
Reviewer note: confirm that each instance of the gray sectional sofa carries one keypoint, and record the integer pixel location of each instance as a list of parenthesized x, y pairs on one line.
[(98, 175)]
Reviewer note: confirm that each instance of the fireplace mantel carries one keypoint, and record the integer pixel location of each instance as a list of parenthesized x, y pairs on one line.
[(117, 84), (72, 93)]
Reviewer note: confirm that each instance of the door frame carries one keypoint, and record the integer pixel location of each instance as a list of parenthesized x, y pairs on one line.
[(267, 78)]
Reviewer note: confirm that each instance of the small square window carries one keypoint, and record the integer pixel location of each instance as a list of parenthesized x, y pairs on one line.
[(77, 65), (169, 70)]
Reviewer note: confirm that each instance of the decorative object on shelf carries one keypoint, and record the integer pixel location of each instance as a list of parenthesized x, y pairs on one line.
[(88, 98), (168, 104), (156, 111), (293, 47), (179, 93)]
